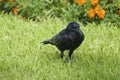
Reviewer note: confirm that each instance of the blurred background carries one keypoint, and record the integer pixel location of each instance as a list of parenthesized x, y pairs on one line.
[(107, 11)]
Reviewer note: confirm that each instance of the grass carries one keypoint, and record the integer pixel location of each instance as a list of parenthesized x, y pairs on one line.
[(23, 57)]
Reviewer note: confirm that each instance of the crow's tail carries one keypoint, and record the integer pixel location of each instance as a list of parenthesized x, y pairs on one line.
[(47, 42)]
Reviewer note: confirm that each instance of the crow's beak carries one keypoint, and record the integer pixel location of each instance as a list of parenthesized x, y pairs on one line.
[(77, 30)]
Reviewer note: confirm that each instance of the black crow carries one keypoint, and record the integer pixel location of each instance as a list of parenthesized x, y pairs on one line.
[(68, 39)]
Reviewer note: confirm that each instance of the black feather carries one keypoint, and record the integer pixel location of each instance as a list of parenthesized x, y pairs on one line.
[(68, 39), (46, 42)]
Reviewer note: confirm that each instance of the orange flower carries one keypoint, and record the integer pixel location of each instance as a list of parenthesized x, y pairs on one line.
[(15, 10), (91, 13), (101, 14), (97, 8), (80, 1), (119, 12), (0, 0), (94, 2), (11, 0)]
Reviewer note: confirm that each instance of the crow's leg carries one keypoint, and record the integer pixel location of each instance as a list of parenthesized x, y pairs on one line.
[(70, 54), (62, 54)]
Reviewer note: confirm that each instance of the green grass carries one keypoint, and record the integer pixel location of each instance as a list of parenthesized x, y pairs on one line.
[(23, 57)]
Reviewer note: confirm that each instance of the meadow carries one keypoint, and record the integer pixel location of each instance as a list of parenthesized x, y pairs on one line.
[(23, 57)]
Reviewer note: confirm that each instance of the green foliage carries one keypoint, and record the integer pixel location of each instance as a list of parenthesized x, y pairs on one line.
[(23, 57), (81, 12), (66, 9), (112, 15), (7, 6), (41, 8)]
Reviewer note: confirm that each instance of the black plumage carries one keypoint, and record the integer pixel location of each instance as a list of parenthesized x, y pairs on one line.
[(68, 39)]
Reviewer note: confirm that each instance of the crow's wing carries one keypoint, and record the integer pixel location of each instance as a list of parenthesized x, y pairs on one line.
[(63, 38), (57, 39)]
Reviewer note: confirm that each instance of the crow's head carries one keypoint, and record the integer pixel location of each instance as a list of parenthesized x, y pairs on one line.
[(73, 26)]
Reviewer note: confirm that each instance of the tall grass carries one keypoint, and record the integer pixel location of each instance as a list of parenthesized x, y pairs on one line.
[(23, 57)]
